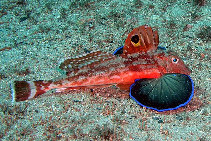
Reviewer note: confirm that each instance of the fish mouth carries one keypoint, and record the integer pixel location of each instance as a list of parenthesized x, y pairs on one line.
[(187, 71), (182, 70)]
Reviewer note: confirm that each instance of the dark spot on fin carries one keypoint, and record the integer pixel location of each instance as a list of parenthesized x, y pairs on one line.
[(169, 92), (24, 90), (21, 90), (141, 39), (135, 39), (118, 51)]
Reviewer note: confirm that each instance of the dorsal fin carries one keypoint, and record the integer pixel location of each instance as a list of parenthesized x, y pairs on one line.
[(141, 39), (74, 64)]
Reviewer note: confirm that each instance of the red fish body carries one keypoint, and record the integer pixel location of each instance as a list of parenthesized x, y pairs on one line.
[(140, 59)]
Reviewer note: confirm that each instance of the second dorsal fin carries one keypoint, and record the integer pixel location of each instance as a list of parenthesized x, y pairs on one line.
[(74, 64)]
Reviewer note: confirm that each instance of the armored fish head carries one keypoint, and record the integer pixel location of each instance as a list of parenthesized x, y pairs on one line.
[(172, 63)]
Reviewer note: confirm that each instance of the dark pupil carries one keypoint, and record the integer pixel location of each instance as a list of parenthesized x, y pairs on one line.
[(174, 60), (135, 39)]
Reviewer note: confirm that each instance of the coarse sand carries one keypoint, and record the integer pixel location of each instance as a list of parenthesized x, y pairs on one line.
[(37, 35)]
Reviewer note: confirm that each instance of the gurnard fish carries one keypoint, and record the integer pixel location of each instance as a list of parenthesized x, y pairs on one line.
[(139, 59)]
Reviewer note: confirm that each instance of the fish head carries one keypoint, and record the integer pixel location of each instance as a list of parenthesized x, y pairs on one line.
[(172, 63)]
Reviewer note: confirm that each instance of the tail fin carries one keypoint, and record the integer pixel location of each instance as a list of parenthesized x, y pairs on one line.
[(24, 90)]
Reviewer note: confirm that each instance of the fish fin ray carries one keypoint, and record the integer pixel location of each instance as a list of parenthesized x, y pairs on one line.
[(25, 90), (74, 64), (145, 39)]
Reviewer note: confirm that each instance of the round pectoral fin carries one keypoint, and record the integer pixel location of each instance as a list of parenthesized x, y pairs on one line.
[(168, 92)]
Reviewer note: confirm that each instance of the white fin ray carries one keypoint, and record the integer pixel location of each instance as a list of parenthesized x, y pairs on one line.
[(78, 62)]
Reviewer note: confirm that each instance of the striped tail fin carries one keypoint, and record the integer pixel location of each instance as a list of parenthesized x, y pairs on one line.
[(24, 90)]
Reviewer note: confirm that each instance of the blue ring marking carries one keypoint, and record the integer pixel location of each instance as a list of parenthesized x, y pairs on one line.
[(118, 51), (162, 48), (192, 93)]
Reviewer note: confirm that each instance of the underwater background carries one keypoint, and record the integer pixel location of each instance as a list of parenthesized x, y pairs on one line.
[(35, 36)]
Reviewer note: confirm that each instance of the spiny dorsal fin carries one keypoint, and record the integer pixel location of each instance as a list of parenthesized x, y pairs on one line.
[(74, 64), (141, 39)]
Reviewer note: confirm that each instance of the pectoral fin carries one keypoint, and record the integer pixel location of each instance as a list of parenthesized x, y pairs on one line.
[(169, 92)]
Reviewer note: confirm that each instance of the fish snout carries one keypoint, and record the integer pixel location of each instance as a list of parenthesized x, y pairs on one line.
[(178, 67), (186, 70)]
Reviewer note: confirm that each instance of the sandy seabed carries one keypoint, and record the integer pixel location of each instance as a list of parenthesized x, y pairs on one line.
[(35, 36)]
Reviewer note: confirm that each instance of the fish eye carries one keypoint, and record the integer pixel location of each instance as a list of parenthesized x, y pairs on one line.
[(135, 39), (174, 60)]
